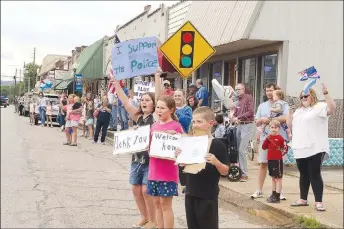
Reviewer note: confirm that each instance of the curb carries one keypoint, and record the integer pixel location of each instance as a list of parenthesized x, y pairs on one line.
[(276, 216)]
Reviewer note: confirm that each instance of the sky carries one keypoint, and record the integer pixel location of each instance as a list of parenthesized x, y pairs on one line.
[(57, 27)]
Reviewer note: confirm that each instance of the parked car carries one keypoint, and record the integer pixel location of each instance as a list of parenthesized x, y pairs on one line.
[(55, 109), (4, 102)]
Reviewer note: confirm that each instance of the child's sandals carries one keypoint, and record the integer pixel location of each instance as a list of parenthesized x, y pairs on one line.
[(73, 144), (319, 207)]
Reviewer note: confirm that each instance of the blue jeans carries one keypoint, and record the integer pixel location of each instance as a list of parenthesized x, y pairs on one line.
[(123, 117), (42, 115), (58, 119), (113, 117)]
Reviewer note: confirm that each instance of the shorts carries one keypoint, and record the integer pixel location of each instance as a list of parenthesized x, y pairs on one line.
[(89, 121), (71, 123), (138, 174), (275, 168), (162, 188), (262, 154)]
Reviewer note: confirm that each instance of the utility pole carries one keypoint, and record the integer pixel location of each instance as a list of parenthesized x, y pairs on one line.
[(20, 82), (34, 60), (15, 83)]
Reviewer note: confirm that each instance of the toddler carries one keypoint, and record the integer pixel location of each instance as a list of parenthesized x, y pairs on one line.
[(276, 111), (49, 113), (220, 128)]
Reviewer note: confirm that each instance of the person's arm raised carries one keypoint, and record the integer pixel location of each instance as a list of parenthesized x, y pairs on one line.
[(131, 109), (158, 90)]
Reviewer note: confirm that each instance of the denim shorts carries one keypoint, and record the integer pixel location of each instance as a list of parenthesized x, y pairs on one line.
[(162, 188), (138, 174)]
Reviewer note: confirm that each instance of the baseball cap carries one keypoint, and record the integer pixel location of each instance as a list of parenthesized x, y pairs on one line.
[(166, 82)]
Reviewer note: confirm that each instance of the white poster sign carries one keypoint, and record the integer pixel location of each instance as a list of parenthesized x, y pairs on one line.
[(131, 141), (142, 87), (193, 153), (164, 145)]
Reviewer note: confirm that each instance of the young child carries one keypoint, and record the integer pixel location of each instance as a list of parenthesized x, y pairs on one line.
[(220, 130), (162, 173), (202, 189), (276, 111), (77, 105), (49, 113), (74, 110), (274, 144), (32, 112), (89, 119)]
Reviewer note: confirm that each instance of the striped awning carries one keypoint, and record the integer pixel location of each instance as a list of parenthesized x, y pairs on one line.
[(63, 84)]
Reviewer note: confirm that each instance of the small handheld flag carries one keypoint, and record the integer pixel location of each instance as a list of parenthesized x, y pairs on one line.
[(309, 73), (308, 86)]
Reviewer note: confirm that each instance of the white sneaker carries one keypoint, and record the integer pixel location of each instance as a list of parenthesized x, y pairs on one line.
[(257, 194), (282, 197)]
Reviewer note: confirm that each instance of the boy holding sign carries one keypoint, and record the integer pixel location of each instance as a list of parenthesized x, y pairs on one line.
[(202, 189)]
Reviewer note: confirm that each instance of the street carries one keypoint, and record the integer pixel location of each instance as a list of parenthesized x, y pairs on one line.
[(46, 184)]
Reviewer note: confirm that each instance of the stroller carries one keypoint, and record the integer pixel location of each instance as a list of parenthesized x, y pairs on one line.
[(230, 140)]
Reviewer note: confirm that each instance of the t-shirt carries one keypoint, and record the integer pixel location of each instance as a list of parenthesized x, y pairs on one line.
[(72, 116), (310, 131), (273, 144), (184, 115), (143, 157), (163, 169), (202, 93), (264, 111), (220, 131), (205, 184), (103, 114)]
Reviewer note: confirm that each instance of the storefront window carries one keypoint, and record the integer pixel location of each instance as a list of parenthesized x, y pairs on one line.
[(217, 74), (204, 74), (268, 74), (248, 71)]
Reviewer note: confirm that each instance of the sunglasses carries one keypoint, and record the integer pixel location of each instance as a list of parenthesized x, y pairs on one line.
[(304, 97)]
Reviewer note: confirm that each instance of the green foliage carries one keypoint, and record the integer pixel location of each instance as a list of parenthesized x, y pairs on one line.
[(309, 222), (10, 91), (30, 75)]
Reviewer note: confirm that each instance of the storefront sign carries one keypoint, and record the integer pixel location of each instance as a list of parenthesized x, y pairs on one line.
[(187, 50), (142, 87), (135, 57), (78, 82)]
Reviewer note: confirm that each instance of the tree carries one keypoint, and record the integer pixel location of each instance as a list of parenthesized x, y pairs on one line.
[(30, 75)]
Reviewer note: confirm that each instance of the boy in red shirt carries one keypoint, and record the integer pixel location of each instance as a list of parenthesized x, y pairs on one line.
[(275, 145)]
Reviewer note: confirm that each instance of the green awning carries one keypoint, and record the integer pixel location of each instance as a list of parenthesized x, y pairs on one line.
[(63, 84), (90, 61)]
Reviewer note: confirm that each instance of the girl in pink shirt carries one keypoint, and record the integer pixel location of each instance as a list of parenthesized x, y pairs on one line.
[(163, 173), (72, 120)]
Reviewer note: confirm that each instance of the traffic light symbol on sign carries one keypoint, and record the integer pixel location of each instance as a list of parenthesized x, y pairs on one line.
[(187, 49)]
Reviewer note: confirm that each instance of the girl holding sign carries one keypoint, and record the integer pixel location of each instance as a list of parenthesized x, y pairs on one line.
[(163, 173), (142, 115)]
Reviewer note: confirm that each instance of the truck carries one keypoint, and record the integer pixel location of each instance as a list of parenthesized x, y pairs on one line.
[(55, 109), (4, 101)]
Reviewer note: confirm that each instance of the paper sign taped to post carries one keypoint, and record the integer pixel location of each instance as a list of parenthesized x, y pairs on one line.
[(135, 58), (131, 141), (164, 145), (193, 153), (142, 87)]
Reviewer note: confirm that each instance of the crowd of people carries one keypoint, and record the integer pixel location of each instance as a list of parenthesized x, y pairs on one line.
[(155, 180)]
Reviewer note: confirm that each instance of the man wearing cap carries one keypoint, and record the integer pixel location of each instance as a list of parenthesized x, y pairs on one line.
[(192, 90), (167, 88), (201, 94)]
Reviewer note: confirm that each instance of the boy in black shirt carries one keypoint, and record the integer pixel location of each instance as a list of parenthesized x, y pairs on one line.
[(202, 189)]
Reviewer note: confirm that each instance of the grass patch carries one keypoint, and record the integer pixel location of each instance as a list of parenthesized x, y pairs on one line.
[(308, 222)]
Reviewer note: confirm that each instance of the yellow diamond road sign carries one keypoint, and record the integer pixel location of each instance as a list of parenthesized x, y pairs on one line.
[(187, 50)]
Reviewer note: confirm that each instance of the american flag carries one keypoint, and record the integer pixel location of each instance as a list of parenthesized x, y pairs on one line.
[(309, 73), (111, 86)]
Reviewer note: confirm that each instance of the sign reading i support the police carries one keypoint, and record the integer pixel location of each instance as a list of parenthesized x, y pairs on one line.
[(135, 57), (187, 50)]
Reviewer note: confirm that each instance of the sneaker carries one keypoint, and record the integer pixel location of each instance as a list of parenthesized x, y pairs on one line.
[(93, 142), (257, 194), (244, 179), (272, 199)]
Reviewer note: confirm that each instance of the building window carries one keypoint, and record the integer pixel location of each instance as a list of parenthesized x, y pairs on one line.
[(248, 74), (216, 74), (269, 69)]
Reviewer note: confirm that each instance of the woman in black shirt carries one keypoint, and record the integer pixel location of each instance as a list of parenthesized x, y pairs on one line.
[(103, 120)]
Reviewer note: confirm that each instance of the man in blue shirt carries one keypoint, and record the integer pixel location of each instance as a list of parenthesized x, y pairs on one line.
[(201, 94)]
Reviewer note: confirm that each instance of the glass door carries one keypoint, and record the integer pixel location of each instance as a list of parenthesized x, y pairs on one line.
[(217, 75)]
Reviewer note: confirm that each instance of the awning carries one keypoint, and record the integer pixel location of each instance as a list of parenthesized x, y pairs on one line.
[(63, 84), (90, 61)]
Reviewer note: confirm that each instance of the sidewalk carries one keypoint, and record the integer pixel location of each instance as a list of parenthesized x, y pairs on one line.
[(240, 196), (333, 194)]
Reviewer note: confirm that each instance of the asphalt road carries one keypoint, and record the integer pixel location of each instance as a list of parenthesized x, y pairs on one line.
[(46, 184)]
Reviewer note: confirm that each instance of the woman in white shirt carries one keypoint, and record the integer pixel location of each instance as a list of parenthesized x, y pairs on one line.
[(309, 125)]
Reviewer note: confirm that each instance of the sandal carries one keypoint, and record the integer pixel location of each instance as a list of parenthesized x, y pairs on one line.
[(300, 203), (66, 143), (320, 207), (73, 144)]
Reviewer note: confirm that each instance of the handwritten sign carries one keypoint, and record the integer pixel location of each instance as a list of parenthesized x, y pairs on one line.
[(164, 145), (193, 153), (135, 57), (142, 87), (131, 141)]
